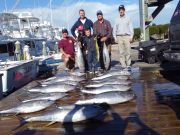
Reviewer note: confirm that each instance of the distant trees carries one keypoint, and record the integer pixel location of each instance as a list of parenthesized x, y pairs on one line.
[(159, 31)]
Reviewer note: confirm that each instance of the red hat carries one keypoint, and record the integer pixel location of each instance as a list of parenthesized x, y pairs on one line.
[(80, 27)]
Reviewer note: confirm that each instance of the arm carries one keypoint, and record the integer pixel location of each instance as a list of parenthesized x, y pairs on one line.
[(115, 30), (73, 30), (94, 29), (131, 29), (91, 24), (109, 28)]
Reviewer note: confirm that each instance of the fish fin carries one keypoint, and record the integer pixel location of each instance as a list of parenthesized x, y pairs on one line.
[(22, 122), (51, 123), (20, 100), (15, 114)]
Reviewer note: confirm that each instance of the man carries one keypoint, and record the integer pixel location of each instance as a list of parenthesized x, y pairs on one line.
[(66, 46), (123, 34), (78, 31), (103, 30), (82, 23)]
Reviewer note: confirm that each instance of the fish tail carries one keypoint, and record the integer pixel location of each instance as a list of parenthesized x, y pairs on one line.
[(22, 122)]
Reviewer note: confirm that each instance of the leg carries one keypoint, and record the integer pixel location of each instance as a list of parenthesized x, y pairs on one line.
[(94, 60), (71, 64), (65, 60), (127, 51), (121, 51), (90, 60)]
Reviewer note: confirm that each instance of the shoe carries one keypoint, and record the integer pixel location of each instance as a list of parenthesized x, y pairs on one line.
[(128, 68)]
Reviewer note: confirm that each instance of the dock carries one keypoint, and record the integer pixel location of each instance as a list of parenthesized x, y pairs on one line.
[(146, 114)]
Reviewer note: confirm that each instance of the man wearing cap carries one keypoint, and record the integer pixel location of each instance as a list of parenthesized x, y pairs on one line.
[(78, 31), (123, 33), (81, 24), (103, 30), (66, 46)]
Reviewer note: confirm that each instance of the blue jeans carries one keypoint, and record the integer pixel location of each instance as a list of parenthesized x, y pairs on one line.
[(92, 60)]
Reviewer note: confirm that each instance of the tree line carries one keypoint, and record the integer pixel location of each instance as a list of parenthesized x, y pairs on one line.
[(155, 31)]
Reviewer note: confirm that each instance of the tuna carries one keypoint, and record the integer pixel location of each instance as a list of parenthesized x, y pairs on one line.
[(79, 58), (96, 84), (72, 114), (106, 88), (108, 77), (53, 88), (29, 107), (50, 96), (106, 57), (109, 98)]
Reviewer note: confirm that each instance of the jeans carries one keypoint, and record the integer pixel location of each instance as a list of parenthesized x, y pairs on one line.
[(92, 60)]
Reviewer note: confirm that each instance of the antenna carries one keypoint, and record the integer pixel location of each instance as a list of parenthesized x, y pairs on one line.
[(50, 6), (15, 5), (5, 5)]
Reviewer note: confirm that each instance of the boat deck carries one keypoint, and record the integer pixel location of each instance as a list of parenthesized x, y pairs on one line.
[(145, 115)]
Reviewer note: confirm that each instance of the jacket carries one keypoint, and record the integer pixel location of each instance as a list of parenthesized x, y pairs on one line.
[(87, 24)]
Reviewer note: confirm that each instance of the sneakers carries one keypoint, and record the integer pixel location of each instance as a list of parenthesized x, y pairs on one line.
[(128, 68)]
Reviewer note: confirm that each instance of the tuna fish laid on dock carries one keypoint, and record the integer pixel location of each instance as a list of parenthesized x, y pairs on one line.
[(54, 88), (29, 107), (71, 114), (109, 98), (106, 88)]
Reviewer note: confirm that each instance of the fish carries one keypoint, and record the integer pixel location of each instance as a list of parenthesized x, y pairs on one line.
[(49, 96), (96, 84), (29, 107), (107, 77), (106, 88), (109, 98), (44, 84), (116, 72), (80, 58), (62, 79), (53, 88), (113, 74), (106, 57), (73, 114)]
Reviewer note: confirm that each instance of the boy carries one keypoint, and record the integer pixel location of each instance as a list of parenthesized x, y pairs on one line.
[(90, 44)]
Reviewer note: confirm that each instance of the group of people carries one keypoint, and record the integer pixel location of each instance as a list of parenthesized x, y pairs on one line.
[(96, 34)]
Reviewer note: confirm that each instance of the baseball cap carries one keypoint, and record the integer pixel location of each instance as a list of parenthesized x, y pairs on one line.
[(80, 27), (99, 12), (121, 7), (64, 30)]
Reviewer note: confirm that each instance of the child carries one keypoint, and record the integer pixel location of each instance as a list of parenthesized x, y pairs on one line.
[(90, 43)]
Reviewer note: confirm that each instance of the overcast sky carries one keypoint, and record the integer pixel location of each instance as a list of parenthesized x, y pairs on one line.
[(65, 12)]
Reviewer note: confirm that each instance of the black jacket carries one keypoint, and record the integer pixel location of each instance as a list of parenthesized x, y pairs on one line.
[(87, 24), (90, 43)]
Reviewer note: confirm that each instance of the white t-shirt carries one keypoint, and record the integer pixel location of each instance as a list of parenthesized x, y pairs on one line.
[(83, 21)]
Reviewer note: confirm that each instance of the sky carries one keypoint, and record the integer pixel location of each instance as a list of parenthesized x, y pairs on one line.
[(65, 12)]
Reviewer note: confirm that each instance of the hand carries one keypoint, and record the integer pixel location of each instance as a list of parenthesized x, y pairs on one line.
[(103, 39), (67, 55), (115, 40), (131, 40)]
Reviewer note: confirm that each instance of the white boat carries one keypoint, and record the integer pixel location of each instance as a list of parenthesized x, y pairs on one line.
[(17, 73), (1, 85)]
